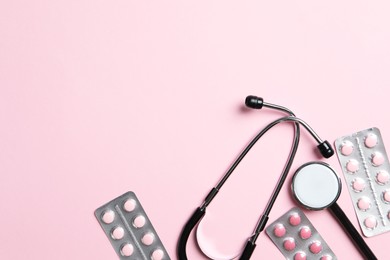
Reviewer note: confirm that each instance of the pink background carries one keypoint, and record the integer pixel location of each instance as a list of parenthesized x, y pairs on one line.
[(101, 97)]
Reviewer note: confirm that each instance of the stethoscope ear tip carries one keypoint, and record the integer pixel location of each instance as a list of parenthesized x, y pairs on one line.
[(326, 149), (254, 102)]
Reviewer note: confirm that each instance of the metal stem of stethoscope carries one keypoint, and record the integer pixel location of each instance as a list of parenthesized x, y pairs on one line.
[(254, 141), (323, 146), (284, 119), (250, 245)]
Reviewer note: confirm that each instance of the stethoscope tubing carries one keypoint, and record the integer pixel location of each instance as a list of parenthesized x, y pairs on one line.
[(352, 232)]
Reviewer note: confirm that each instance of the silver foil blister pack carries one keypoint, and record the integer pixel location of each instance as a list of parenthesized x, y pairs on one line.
[(366, 169), (129, 229), (297, 239)]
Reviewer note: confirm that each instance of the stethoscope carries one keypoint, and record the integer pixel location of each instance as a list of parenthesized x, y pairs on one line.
[(315, 186), (257, 103)]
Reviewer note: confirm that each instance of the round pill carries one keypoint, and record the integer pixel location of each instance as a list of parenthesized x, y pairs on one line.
[(117, 233), (129, 205), (148, 239), (108, 216), (315, 247), (139, 221), (382, 177), (370, 222), (326, 257), (305, 232), (371, 140), (386, 196), (358, 184), (157, 254), (377, 159), (127, 249), (279, 230), (300, 256), (346, 148), (295, 219), (352, 166), (289, 244), (364, 203)]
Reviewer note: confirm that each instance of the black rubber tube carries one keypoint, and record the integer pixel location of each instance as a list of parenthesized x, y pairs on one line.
[(191, 223), (352, 232), (248, 250)]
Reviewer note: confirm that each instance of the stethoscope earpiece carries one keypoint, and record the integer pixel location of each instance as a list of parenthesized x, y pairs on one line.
[(254, 102), (325, 149)]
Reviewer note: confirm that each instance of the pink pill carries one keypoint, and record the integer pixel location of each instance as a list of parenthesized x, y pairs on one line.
[(289, 244), (127, 249), (371, 140), (346, 148), (129, 205), (117, 233), (300, 256), (382, 177), (364, 203), (386, 196), (158, 254), (279, 230), (315, 247), (148, 239), (326, 257), (139, 221), (108, 216), (358, 184), (295, 219), (377, 159), (370, 222), (305, 232), (352, 166)]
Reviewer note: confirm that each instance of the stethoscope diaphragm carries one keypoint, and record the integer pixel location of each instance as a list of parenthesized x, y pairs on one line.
[(316, 186)]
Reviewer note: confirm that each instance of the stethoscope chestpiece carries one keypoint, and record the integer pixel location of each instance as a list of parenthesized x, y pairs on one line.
[(316, 186)]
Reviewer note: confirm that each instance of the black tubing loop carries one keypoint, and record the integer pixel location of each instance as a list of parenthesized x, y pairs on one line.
[(191, 223)]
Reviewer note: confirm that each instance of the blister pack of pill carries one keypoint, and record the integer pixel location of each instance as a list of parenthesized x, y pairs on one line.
[(366, 169), (297, 239), (129, 229)]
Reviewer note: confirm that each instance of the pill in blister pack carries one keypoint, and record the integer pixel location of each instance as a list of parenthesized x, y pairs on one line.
[(129, 229), (297, 239), (366, 169)]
